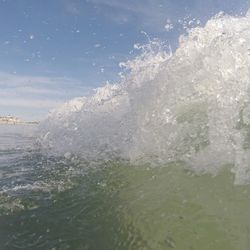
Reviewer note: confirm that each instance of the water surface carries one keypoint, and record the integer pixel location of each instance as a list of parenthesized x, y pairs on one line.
[(57, 203)]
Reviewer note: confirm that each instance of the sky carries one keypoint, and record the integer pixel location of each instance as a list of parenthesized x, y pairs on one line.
[(54, 50)]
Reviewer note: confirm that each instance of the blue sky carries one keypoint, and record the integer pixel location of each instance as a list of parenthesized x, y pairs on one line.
[(54, 50)]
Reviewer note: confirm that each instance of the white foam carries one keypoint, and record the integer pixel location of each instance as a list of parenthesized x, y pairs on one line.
[(191, 106)]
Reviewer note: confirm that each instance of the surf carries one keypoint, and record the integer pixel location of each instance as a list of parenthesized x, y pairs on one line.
[(191, 105)]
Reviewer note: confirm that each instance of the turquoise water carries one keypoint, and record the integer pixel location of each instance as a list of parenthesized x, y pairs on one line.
[(53, 203)]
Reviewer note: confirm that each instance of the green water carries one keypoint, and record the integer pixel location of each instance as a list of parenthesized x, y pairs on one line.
[(127, 207)]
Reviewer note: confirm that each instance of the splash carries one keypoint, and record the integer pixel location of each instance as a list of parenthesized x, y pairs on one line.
[(191, 106)]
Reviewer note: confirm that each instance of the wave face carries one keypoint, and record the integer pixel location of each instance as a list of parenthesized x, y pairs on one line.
[(191, 106)]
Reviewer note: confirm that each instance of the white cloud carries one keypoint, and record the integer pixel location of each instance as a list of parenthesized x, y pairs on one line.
[(8, 79), (39, 84), (151, 14), (37, 92), (29, 103), (146, 14), (72, 7)]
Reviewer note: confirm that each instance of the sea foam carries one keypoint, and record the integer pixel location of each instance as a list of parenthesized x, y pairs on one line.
[(192, 105)]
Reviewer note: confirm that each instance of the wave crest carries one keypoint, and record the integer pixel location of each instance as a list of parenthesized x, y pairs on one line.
[(191, 106)]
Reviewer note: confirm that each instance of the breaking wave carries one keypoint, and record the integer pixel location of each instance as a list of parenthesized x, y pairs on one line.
[(192, 105)]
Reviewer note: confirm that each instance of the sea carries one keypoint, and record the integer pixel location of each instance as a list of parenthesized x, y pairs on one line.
[(58, 203), (156, 161)]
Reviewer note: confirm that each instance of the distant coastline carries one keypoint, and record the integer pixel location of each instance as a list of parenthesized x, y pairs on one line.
[(11, 120)]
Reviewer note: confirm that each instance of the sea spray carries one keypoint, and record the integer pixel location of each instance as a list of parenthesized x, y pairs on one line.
[(191, 106)]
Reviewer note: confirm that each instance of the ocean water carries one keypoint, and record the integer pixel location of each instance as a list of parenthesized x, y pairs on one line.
[(189, 105), (58, 203), (159, 160)]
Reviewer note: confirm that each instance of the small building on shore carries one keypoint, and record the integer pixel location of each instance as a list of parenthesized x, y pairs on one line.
[(10, 120)]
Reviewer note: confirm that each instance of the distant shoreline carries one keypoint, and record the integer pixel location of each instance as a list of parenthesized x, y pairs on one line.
[(20, 123), (11, 120)]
